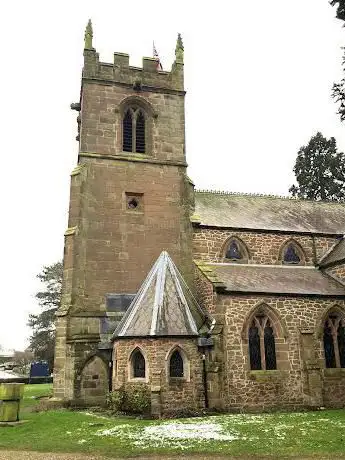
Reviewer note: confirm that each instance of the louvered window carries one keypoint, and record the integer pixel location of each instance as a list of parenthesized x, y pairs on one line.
[(127, 132), (140, 133), (134, 131)]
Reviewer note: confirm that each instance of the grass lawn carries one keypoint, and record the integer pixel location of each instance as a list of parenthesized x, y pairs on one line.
[(309, 434)]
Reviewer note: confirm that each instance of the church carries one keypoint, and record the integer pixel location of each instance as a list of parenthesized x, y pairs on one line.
[(207, 299)]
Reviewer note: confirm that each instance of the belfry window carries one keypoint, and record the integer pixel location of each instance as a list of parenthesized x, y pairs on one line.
[(138, 364), (176, 365), (334, 341), (133, 129), (262, 352)]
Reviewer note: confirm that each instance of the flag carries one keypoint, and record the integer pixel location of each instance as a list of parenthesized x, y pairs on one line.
[(155, 55)]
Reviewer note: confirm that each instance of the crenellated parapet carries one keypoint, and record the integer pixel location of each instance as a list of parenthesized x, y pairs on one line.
[(139, 78)]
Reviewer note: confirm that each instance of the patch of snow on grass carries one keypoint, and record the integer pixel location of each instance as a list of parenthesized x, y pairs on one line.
[(116, 430), (212, 431), (175, 434)]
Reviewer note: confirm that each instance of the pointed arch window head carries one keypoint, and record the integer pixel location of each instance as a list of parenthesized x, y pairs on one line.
[(176, 365), (134, 130), (334, 341), (262, 351), (236, 251), (138, 364), (291, 253)]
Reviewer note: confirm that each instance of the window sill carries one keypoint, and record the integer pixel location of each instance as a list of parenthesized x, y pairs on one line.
[(234, 261), (266, 376), (134, 154), (335, 372), (138, 380), (177, 381)]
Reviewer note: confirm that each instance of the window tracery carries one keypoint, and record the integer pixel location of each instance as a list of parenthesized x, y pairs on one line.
[(292, 254), (261, 339), (334, 341), (235, 251)]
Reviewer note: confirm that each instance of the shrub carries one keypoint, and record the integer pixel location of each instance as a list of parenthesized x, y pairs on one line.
[(133, 398), (137, 398), (115, 400)]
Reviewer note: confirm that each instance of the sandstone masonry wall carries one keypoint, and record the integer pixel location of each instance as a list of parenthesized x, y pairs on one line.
[(175, 394), (264, 248), (299, 352)]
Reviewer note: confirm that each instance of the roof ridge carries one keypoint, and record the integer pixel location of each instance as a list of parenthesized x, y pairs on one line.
[(266, 195)]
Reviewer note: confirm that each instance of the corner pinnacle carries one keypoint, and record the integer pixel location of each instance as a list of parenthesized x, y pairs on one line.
[(179, 49), (88, 36)]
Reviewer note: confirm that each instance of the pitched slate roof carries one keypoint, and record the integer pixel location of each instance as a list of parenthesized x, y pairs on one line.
[(276, 279), (260, 212), (335, 256), (163, 306)]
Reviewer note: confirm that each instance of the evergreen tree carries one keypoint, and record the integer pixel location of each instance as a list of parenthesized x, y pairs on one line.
[(320, 171), (340, 4), (338, 93), (338, 90), (42, 340)]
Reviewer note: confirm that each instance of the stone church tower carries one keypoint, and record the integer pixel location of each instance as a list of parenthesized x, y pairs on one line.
[(130, 199)]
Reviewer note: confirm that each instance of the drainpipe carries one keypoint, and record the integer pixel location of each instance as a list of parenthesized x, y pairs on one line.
[(111, 365), (205, 343), (204, 377)]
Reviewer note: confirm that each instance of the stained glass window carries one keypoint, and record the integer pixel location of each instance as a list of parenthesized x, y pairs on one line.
[(254, 348), (176, 364), (233, 251), (270, 349), (291, 256), (138, 362), (127, 132)]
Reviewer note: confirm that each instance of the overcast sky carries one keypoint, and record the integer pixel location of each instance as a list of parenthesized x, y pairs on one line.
[(258, 76)]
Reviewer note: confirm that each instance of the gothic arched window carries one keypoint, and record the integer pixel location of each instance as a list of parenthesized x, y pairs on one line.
[(134, 133), (291, 256), (138, 364), (262, 351), (292, 253), (236, 251), (176, 365), (334, 341)]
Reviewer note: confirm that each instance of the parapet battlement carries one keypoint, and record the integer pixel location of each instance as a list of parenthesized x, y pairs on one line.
[(120, 72)]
